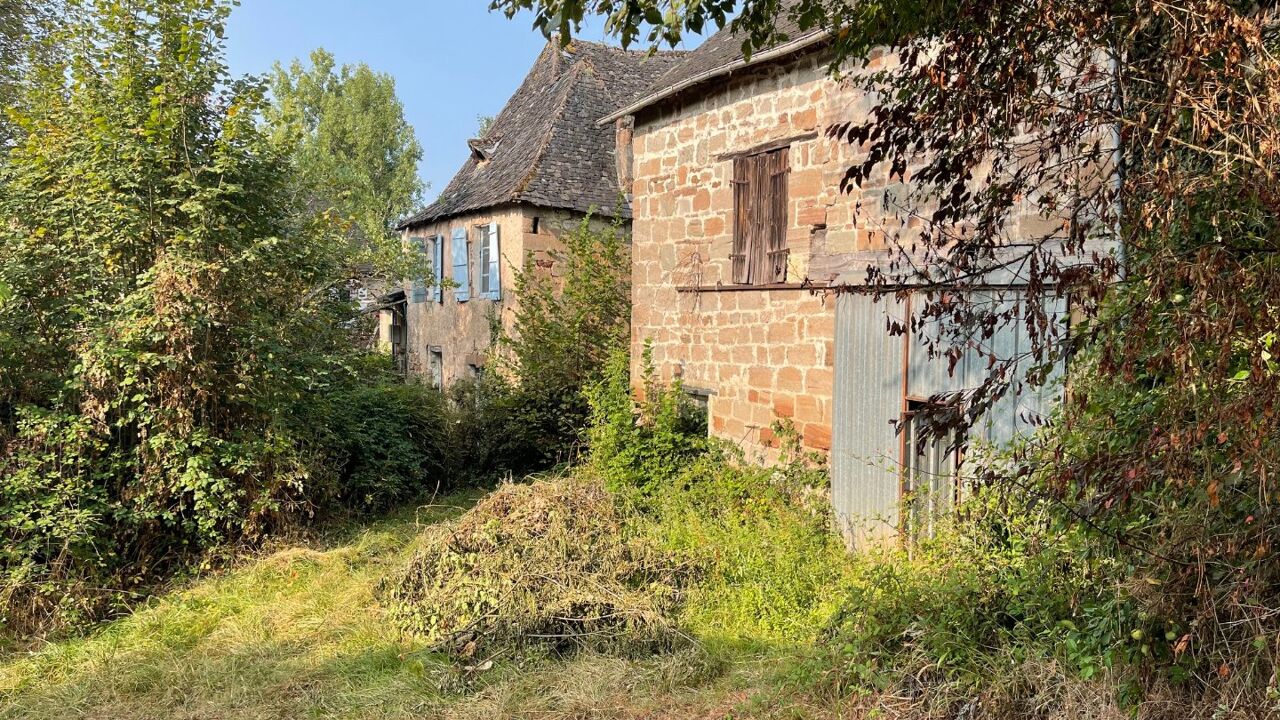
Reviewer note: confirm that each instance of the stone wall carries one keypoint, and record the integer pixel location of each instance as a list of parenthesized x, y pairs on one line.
[(760, 353), (463, 330)]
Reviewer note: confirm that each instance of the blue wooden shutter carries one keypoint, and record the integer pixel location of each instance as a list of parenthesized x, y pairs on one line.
[(460, 275), (419, 284), (437, 267), (495, 274)]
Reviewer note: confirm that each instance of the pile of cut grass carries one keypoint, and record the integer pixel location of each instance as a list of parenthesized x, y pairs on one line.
[(299, 633), (550, 565)]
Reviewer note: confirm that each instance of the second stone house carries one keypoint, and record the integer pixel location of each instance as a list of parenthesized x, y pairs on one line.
[(749, 272), (542, 166)]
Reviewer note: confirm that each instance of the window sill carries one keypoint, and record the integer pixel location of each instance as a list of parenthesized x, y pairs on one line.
[(748, 288)]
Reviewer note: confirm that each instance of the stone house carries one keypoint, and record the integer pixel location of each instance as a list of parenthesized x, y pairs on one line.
[(543, 166), (740, 234), (722, 145)]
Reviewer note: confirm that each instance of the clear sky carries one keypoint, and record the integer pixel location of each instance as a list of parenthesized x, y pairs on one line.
[(452, 60)]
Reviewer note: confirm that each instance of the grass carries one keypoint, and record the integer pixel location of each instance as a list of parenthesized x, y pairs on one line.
[(298, 633)]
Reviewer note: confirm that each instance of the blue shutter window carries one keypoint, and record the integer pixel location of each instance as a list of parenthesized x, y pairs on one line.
[(419, 294), (490, 272), (460, 275), (437, 267)]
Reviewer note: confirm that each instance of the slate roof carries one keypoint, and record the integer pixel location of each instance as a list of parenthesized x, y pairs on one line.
[(546, 148), (718, 56)]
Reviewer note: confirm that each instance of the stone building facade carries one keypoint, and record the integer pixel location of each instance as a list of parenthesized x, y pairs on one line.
[(750, 270), (759, 351), (543, 166)]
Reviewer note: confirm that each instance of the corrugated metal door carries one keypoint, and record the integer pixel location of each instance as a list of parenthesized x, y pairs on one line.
[(881, 379)]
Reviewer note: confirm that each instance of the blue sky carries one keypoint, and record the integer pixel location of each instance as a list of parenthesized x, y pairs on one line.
[(452, 60)]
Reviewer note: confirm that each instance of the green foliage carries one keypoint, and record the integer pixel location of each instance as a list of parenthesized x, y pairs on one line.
[(351, 148), (380, 441), (772, 564), (762, 537), (642, 446), (170, 313), (570, 319), (531, 412)]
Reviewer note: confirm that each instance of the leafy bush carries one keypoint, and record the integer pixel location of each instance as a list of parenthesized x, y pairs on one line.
[(641, 446), (762, 538), (550, 564), (568, 323), (771, 563), (497, 429), (173, 341), (381, 441)]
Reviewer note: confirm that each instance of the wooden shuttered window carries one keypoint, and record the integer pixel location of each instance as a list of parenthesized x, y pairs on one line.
[(760, 218)]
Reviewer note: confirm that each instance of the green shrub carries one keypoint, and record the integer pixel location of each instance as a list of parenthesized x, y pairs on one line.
[(763, 538), (533, 413), (1005, 602), (379, 440), (772, 565), (641, 446), (176, 370)]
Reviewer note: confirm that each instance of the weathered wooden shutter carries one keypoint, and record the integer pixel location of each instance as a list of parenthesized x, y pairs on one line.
[(777, 170), (460, 275), (741, 220), (495, 274), (419, 294), (759, 255), (437, 267)]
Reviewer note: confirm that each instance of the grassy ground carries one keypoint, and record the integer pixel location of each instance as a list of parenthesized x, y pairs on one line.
[(298, 633)]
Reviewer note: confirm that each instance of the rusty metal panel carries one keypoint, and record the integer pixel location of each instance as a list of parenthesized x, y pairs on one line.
[(868, 399)]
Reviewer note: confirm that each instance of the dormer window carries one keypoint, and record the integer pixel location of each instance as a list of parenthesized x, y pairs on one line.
[(483, 148)]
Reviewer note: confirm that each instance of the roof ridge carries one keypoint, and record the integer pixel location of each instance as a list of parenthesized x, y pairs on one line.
[(619, 49)]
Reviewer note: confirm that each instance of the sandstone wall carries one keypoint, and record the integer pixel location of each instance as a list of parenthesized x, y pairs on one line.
[(761, 353)]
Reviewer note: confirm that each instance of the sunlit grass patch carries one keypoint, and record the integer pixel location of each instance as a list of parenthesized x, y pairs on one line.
[(296, 632)]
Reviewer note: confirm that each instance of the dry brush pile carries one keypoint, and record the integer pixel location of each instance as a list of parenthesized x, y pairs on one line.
[(548, 565)]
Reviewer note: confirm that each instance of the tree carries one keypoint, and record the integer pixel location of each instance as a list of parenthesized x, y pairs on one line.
[(352, 149), (167, 303), (23, 27)]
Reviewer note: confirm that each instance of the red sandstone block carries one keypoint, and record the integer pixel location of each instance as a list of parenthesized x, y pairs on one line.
[(811, 216), (819, 381), (760, 377), (790, 379), (784, 406), (767, 438), (817, 436), (782, 332), (805, 119), (807, 408)]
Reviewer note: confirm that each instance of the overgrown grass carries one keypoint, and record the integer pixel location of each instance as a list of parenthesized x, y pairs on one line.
[(294, 633), (298, 632)]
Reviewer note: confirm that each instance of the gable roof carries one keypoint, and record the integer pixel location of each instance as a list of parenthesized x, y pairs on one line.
[(720, 56), (546, 148)]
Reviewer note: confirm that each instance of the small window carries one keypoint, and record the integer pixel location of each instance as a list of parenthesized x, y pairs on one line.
[(930, 473), (760, 250), (435, 367), (490, 281), (695, 413), (398, 332)]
